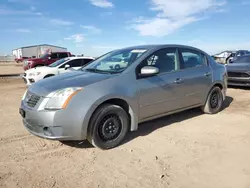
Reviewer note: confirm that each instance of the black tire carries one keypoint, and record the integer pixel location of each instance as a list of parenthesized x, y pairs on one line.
[(117, 67), (49, 75), (214, 101), (108, 126)]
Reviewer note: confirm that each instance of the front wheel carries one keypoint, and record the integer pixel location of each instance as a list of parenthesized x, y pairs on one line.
[(214, 101), (49, 75), (108, 126), (117, 67)]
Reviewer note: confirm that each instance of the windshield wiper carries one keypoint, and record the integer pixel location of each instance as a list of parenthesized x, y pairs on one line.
[(96, 70), (102, 71)]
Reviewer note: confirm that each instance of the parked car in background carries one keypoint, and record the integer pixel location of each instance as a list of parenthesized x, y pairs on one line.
[(237, 55), (239, 71), (60, 66), (102, 103), (21, 59), (45, 59), (227, 57), (223, 57)]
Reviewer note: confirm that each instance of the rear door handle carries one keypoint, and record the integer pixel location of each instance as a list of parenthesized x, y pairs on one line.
[(208, 74), (178, 80)]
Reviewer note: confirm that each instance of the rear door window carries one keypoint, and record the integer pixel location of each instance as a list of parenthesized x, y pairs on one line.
[(192, 58)]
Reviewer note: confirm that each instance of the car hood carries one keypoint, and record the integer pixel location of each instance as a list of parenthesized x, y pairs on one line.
[(40, 69), (238, 67), (70, 79)]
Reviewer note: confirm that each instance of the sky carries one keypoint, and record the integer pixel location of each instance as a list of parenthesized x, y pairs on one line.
[(94, 27)]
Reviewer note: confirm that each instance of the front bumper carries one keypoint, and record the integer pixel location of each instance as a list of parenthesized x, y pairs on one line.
[(45, 132), (237, 81), (26, 66), (53, 125), (28, 81)]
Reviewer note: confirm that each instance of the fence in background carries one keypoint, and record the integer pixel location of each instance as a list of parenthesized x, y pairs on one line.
[(8, 58)]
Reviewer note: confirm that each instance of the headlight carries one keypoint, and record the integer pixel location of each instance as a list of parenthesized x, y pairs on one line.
[(61, 98), (34, 73)]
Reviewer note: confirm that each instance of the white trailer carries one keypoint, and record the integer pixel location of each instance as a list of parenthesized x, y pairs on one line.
[(17, 53), (36, 51)]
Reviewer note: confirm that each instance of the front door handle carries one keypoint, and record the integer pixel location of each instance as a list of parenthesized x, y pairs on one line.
[(178, 81), (208, 74)]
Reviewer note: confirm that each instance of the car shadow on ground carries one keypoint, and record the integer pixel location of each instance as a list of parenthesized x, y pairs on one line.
[(227, 102), (239, 87), (150, 126), (147, 128), (78, 144)]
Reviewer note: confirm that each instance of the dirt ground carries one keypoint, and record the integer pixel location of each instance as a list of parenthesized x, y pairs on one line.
[(186, 150), (11, 68)]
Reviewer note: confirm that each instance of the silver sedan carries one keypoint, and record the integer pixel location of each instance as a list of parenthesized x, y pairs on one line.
[(109, 97)]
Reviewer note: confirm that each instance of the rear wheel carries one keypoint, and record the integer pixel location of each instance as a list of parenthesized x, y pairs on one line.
[(214, 101), (108, 126)]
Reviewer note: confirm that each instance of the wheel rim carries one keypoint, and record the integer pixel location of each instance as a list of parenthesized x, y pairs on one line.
[(110, 127), (214, 100)]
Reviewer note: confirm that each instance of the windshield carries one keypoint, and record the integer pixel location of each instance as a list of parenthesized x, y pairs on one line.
[(115, 61), (243, 59), (58, 62), (44, 56)]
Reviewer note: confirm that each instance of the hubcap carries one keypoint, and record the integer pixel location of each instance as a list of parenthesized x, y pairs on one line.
[(214, 101), (110, 127)]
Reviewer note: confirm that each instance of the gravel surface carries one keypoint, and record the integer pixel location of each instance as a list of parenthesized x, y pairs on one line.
[(186, 150), (10, 69)]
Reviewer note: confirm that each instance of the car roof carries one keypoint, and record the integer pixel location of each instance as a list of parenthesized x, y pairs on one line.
[(81, 57), (59, 52), (157, 46)]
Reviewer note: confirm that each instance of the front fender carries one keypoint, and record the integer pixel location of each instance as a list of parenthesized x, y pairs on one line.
[(133, 111)]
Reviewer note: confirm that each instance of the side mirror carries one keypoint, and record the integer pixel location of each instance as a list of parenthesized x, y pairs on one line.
[(149, 71), (66, 67)]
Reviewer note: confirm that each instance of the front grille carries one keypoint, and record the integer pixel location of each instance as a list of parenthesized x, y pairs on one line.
[(238, 74), (31, 100)]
